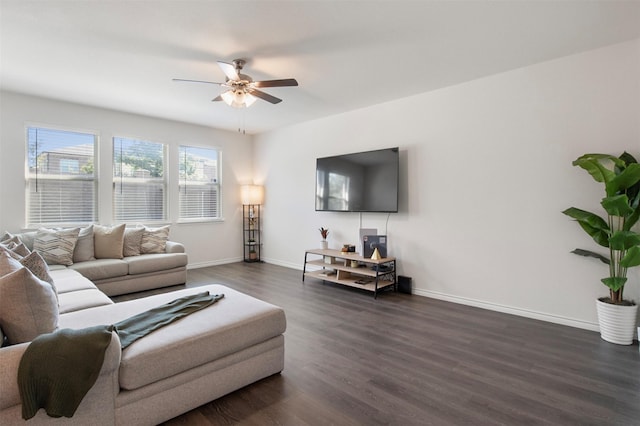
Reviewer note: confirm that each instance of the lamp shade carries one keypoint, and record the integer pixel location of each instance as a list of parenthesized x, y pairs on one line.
[(252, 194)]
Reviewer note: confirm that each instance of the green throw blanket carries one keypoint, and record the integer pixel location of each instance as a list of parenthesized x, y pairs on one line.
[(58, 369)]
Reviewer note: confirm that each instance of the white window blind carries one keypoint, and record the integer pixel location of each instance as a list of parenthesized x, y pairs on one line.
[(139, 185), (199, 174), (61, 179)]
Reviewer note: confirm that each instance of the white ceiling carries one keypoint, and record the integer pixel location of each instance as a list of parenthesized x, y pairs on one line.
[(345, 54)]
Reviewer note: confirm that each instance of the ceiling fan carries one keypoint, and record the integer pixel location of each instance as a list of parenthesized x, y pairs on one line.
[(242, 91)]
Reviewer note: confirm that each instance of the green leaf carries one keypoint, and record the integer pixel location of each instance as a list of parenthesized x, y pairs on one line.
[(614, 283), (627, 158), (626, 179), (587, 253), (624, 240), (632, 258), (592, 164), (592, 224), (617, 205)]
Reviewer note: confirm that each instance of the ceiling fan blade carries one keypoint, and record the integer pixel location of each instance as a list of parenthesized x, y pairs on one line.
[(276, 83), (264, 96), (217, 98), (196, 81), (229, 70)]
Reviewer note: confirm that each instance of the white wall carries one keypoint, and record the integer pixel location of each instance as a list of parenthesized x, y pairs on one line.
[(206, 243), (486, 172)]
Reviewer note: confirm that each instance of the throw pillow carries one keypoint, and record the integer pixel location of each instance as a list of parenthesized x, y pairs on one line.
[(28, 306), (154, 240), (36, 264), (12, 239), (108, 241), (5, 236), (84, 247), (28, 238), (10, 252), (21, 250), (56, 246), (8, 264), (132, 241)]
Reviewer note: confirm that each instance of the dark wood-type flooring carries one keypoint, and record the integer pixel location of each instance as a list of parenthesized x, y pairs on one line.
[(410, 360)]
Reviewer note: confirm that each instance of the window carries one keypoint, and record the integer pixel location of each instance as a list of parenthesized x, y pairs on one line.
[(199, 174), (139, 185), (61, 179)]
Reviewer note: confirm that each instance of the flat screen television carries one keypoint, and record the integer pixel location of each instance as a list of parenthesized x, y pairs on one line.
[(358, 182)]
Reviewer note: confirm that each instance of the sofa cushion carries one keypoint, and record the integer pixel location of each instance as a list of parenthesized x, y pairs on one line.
[(235, 322), (84, 246), (78, 300), (132, 241), (56, 246), (101, 268), (155, 262), (108, 241), (154, 240), (28, 306), (67, 280)]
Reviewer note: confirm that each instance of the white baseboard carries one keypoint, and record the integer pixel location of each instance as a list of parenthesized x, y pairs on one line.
[(214, 263), (289, 265), (556, 319)]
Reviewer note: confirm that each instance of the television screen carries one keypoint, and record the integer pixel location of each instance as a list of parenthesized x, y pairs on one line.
[(359, 182)]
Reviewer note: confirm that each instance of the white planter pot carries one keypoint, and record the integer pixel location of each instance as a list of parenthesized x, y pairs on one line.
[(617, 323), (324, 244)]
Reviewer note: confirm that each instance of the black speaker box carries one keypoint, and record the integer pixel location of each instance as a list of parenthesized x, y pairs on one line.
[(404, 284)]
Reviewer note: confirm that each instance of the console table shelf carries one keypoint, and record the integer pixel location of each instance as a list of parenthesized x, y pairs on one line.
[(371, 275)]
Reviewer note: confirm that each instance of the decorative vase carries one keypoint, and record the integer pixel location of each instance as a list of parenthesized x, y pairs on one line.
[(324, 244), (617, 322)]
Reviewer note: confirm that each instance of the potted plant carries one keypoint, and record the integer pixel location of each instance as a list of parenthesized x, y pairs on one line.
[(621, 179), (324, 232)]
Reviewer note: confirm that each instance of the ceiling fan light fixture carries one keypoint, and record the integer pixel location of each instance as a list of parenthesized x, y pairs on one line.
[(238, 98)]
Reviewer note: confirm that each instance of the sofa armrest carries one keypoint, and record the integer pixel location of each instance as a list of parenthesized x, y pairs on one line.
[(99, 403), (173, 247), (9, 361)]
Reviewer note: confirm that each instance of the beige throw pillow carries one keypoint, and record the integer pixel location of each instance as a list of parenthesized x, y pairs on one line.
[(84, 247), (154, 240), (56, 246), (132, 241), (28, 306), (108, 241)]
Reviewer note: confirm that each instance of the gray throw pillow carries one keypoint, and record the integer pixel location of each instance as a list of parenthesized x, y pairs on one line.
[(28, 306), (154, 240), (132, 241), (56, 246), (108, 241), (84, 249)]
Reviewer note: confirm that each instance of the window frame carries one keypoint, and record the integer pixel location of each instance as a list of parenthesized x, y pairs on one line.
[(165, 182), (219, 185), (27, 175)]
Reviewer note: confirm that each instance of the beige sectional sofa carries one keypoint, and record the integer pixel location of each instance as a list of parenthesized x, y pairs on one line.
[(228, 345), (114, 258)]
